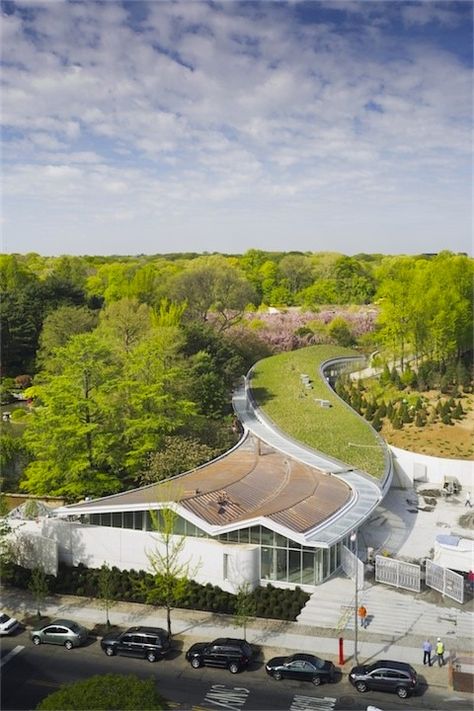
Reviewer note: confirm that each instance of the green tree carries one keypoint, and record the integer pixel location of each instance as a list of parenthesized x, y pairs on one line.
[(106, 692), (39, 587), (179, 454), (22, 307), (245, 607), (60, 325), (107, 589), (170, 571), (6, 543), (74, 434), (340, 332), (296, 270), (212, 285), (125, 322)]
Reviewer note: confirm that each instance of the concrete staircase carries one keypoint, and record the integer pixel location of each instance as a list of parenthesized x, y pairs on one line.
[(390, 613)]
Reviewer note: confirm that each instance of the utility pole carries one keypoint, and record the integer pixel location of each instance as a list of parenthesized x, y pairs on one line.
[(353, 538)]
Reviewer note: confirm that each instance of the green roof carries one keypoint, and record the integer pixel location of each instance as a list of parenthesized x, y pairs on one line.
[(337, 431)]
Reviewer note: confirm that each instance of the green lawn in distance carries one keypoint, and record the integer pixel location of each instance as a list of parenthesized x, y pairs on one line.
[(278, 390)]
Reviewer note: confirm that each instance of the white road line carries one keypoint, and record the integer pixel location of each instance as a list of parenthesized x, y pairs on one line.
[(16, 650)]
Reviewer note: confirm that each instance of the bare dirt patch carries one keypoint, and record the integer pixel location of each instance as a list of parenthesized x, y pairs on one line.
[(454, 441)]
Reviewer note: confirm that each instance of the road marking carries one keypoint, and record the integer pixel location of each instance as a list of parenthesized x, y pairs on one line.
[(232, 698), (312, 703), (12, 653)]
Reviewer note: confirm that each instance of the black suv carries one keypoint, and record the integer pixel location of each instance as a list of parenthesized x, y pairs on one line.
[(231, 654), (146, 642), (385, 676)]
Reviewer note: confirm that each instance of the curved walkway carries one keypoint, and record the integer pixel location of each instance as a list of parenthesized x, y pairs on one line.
[(366, 494)]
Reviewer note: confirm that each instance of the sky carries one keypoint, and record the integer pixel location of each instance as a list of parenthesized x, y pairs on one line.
[(157, 127)]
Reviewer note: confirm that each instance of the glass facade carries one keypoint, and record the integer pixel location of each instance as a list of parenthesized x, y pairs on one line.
[(281, 558)]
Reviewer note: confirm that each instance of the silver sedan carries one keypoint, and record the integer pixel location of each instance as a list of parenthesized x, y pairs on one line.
[(65, 632)]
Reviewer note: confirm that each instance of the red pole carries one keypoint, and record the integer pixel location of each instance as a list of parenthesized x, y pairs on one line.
[(341, 650)]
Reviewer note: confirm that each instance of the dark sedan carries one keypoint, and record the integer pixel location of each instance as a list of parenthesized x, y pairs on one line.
[(302, 667)]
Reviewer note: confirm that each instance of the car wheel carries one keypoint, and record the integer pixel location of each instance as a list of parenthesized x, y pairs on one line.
[(151, 656), (402, 692), (68, 644), (195, 662), (361, 686), (233, 667), (36, 640), (316, 680), (109, 651), (277, 675)]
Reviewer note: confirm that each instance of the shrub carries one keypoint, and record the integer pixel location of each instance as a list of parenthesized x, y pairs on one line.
[(105, 692)]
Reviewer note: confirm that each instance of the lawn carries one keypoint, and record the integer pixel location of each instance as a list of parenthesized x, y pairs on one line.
[(336, 431)]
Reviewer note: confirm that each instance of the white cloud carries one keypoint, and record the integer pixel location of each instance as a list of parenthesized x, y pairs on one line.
[(228, 106)]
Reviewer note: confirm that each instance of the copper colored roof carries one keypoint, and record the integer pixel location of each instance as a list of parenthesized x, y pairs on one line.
[(246, 484)]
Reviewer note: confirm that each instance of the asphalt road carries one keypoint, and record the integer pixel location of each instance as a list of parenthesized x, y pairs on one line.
[(30, 673)]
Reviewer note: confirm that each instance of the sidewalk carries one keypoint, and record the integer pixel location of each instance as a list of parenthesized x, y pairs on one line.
[(273, 636)]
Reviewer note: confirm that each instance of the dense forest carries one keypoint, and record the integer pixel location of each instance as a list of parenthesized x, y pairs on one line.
[(127, 363)]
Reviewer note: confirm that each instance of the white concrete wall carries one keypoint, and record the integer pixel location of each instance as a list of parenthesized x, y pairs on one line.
[(411, 466), (126, 549), (31, 548)]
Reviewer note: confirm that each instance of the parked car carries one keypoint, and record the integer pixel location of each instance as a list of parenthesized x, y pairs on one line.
[(65, 632), (150, 643), (304, 667), (384, 675), (228, 653), (7, 624)]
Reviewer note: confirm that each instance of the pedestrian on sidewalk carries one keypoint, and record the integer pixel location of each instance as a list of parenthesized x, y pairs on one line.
[(427, 649), (362, 612), (470, 580), (468, 500), (440, 652)]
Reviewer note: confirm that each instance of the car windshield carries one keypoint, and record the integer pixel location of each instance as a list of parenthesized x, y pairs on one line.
[(3, 618), (74, 627), (318, 663)]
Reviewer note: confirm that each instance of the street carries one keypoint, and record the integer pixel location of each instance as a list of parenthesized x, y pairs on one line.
[(30, 673)]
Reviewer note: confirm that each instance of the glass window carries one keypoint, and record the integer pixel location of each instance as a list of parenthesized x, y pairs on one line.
[(223, 537), (138, 523), (281, 564), (190, 529), (128, 519), (318, 565), (294, 566), (180, 526), (281, 541), (117, 519), (234, 536), (106, 519), (326, 563), (255, 534), (266, 558), (267, 537), (307, 577), (95, 519), (244, 535)]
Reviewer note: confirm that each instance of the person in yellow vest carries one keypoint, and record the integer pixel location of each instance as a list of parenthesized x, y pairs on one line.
[(440, 652)]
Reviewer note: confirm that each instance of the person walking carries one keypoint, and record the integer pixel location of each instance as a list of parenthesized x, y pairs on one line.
[(362, 612), (427, 649), (440, 652), (468, 500)]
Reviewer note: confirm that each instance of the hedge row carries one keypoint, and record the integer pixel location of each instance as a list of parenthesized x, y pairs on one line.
[(276, 603)]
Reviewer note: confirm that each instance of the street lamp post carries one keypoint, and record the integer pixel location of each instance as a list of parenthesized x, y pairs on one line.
[(353, 539)]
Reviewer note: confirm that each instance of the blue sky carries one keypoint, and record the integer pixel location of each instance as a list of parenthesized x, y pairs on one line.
[(151, 127)]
